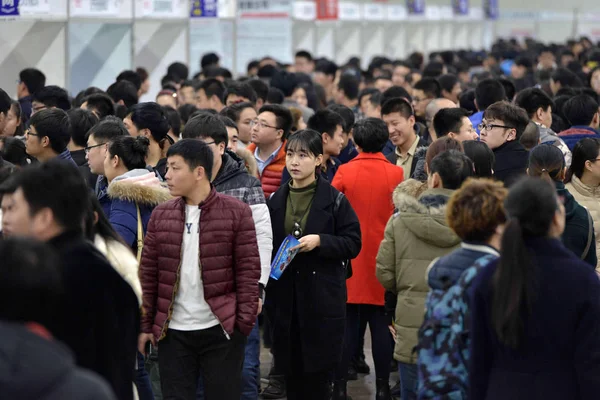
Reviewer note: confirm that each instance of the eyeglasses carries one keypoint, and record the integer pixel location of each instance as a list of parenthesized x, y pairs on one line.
[(489, 127), (209, 143), (28, 133), (261, 124), (87, 149)]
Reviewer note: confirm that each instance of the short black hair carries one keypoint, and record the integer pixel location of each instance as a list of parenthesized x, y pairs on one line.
[(206, 126), (580, 110), (130, 76), (208, 60), (234, 111), (467, 100), (212, 87), (228, 122), (275, 96), (123, 90), (266, 71), (30, 281), (56, 185), (453, 167), (566, 78), (371, 135), (327, 67), (131, 150), (448, 120), (240, 89), (53, 123), (53, 96), (430, 86), (178, 70), (433, 69), (251, 65), (488, 92), (150, 116), (261, 88), (174, 119), (347, 115), (80, 98), (81, 121), (195, 153), (532, 99), (283, 117), (350, 85), (101, 103), (185, 111), (524, 61), (214, 72), (285, 81), (325, 121), (366, 92), (107, 129), (393, 92), (15, 152), (5, 102), (509, 88), (448, 81), (510, 114), (34, 79), (304, 54), (397, 105)]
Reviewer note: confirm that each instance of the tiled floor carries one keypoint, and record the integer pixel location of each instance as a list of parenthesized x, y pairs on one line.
[(362, 389)]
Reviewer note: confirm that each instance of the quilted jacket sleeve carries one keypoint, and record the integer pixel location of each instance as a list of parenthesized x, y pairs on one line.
[(346, 243), (123, 218), (386, 259), (149, 276), (247, 271)]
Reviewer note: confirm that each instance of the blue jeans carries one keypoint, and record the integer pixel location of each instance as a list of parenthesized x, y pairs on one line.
[(142, 380), (409, 380), (251, 369)]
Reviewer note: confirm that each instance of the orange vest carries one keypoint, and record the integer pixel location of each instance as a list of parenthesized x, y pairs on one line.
[(270, 178)]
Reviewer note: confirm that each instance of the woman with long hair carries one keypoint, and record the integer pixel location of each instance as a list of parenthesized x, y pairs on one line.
[(583, 179), (546, 161), (535, 311), (307, 304)]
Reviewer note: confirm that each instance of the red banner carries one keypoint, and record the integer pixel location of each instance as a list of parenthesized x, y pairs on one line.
[(327, 10)]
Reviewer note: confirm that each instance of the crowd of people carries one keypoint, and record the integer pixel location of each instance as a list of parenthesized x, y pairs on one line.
[(449, 203)]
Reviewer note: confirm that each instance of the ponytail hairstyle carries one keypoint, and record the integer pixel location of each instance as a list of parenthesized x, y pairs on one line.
[(132, 151), (530, 206), (546, 161), (585, 150)]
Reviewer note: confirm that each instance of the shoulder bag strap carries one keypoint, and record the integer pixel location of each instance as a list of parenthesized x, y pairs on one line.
[(590, 231), (140, 233)]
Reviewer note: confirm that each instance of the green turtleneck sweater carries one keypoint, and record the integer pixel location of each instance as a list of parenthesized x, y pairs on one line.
[(297, 205)]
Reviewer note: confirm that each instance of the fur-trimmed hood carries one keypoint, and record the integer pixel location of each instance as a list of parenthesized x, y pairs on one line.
[(425, 215), (419, 173), (140, 186)]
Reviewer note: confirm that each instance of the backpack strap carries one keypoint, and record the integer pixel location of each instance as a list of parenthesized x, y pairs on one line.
[(590, 232), (336, 206), (140, 233)]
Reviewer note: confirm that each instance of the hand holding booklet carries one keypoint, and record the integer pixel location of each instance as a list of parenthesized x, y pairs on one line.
[(284, 256)]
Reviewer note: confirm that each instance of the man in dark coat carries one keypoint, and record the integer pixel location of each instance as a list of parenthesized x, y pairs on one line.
[(99, 315), (501, 129)]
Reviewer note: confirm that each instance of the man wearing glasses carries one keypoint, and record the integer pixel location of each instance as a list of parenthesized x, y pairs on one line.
[(501, 129), (50, 97), (269, 132), (48, 135)]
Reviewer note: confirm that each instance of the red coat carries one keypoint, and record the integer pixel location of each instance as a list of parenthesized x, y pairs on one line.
[(270, 178), (368, 181), (228, 256)]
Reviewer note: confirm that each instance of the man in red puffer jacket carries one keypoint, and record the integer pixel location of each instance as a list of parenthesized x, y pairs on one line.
[(199, 271)]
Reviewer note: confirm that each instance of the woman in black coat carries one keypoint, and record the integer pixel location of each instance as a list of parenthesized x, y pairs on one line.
[(307, 304), (536, 311)]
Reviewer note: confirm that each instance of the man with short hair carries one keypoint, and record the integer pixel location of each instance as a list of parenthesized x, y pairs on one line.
[(288, 82), (50, 97), (209, 95), (414, 236), (539, 106), (131, 77), (81, 121), (99, 316), (200, 270), (398, 115), (451, 88), (346, 92), (401, 69), (454, 123), (239, 92), (269, 133), (383, 81), (369, 101), (31, 80), (5, 104), (583, 114), (231, 178), (562, 78), (304, 62), (349, 149), (123, 93), (100, 104), (262, 91), (431, 110), (501, 129), (325, 72), (187, 93), (48, 135), (424, 91), (487, 92)]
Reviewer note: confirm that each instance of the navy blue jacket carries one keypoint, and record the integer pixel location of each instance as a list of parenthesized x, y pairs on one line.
[(560, 353)]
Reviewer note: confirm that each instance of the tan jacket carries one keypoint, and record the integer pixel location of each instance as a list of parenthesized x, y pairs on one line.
[(414, 236), (589, 197)]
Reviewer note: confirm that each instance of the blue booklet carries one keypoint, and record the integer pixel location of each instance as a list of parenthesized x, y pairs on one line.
[(284, 256)]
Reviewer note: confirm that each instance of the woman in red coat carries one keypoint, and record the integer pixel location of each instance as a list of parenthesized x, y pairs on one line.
[(368, 181)]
